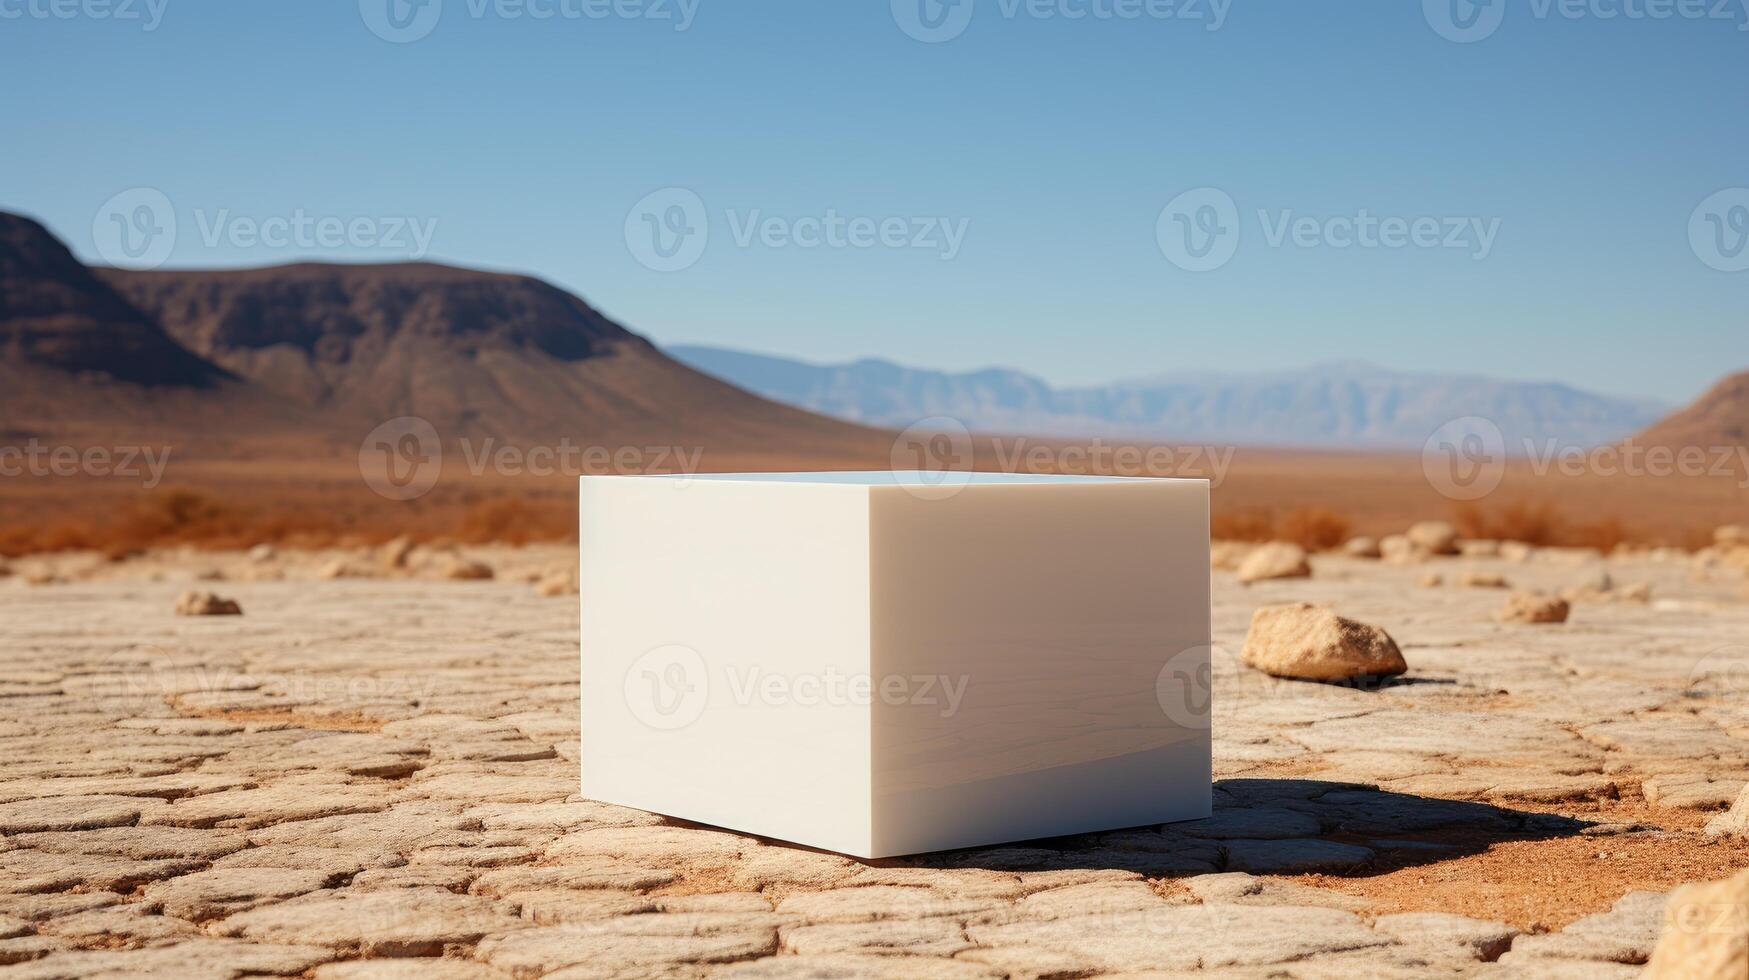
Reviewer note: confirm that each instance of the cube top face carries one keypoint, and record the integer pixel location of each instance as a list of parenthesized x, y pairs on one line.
[(864, 664)]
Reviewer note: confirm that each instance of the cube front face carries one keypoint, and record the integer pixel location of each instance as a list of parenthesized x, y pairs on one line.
[(864, 668)]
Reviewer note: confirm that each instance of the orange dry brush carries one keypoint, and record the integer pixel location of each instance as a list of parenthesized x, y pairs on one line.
[(1310, 527)]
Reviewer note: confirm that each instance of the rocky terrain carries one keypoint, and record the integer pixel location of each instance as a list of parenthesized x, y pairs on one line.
[(361, 764)]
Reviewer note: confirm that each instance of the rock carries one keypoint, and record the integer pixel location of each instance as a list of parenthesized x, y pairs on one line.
[(263, 553), (1529, 607), (1432, 580), (1598, 581), (394, 554), (341, 568), (1278, 559), (1399, 550), (1362, 547), (1731, 536), (1483, 580), (1226, 555), (557, 582), (465, 569), (221, 891), (193, 603), (1635, 592), (1706, 932), (1516, 551), (1479, 548), (1305, 641), (1434, 537), (1733, 822)]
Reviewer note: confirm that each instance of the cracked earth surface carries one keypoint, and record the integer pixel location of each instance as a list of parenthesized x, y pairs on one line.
[(372, 775)]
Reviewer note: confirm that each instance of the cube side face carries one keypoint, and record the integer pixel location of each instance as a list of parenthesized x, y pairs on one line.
[(1046, 651), (721, 625)]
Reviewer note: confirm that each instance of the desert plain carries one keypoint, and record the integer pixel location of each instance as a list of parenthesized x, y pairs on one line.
[(370, 772)]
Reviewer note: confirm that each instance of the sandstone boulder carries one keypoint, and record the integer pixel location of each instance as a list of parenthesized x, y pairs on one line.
[(1399, 550), (1434, 537), (1706, 932), (394, 554), (1733, 822), (193, 603), (1529, 607), (1278, 559), (466, 569), (1302, 640), (1362, 547)]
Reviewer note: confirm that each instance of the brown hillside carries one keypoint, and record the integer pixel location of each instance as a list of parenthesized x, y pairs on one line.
[(475, 353), (1719, 418)]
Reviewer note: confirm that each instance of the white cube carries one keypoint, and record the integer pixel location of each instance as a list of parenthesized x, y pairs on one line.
[(887, 663)]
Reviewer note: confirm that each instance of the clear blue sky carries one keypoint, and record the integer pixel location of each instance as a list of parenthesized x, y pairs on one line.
[(1057, 142)]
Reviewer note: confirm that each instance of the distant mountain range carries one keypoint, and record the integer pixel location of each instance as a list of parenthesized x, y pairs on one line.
[(1345, 404)]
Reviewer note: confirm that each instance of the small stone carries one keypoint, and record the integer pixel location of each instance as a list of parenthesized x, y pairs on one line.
[(1362, 547), (1399, 550), (557, 583), (341, 568), (1302, 640), (1434, 537), (1432, 580), (1529, 607), (394, 554), (1278, 559), (1483, 580), (1479, 548), (1733, 822), (466, 570), (262, 553), (193, 603), (1706, 932), (1731, 536)]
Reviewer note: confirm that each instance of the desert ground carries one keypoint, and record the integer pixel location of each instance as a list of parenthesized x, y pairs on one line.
[(370, 772)]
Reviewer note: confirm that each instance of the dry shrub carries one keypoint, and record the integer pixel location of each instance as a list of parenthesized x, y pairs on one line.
[(514, 520), (1539, 523), (1249, 525), (1314, 528), (1310, 527)]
